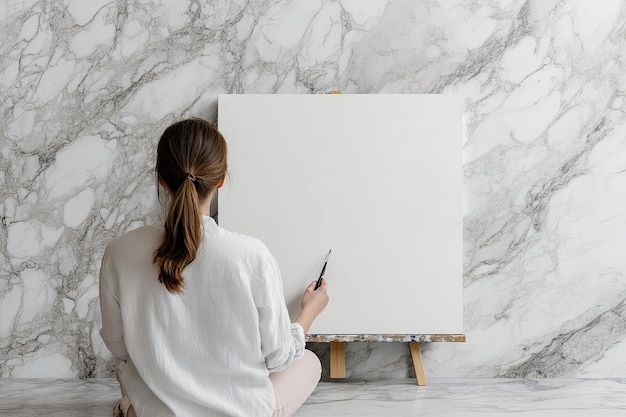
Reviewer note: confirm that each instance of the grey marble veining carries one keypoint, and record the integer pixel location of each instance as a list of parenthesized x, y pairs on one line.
[(395, 397), (86, 87), (58, 397)]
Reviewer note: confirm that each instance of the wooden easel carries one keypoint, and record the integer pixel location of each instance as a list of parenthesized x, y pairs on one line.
[(338, 346)]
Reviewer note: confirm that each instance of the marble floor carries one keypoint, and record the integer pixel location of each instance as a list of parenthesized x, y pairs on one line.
[(400, 397)]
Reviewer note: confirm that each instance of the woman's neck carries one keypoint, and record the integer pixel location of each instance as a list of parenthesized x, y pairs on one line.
[(205, 207)]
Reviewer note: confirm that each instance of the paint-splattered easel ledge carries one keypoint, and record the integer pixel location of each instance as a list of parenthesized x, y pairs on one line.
[(385, 338)]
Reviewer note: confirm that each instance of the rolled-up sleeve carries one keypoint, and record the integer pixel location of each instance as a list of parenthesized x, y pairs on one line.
[(112, 331), (282, 342)]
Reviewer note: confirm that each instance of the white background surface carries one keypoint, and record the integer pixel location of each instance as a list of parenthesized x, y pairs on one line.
[(377, 178), (88, 88)]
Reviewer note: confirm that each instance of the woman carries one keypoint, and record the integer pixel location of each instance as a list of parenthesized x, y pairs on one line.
[(196, 313)]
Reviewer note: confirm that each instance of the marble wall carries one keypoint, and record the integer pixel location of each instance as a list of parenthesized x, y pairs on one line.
[(86, 87)]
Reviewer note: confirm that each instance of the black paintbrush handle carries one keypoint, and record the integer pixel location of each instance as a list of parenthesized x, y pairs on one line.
[(319, 280)]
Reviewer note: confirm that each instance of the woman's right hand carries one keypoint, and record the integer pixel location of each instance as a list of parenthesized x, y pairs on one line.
[(313, 303), (315, 299)]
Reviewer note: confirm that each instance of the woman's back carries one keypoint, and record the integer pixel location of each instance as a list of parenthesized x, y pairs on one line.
[(200, 352)]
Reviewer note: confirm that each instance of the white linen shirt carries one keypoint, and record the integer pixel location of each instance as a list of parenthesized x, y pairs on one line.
[(209, 350)]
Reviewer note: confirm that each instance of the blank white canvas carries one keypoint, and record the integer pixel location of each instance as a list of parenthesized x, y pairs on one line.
[(377, 178)]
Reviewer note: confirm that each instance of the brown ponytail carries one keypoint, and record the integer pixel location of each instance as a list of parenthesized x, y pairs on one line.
[(191, 162)]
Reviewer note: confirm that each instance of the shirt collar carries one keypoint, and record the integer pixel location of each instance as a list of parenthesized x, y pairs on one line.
[(209, 222)]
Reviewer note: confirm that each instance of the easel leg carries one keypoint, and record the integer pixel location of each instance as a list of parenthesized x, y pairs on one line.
[(337, 359), (418, 365)]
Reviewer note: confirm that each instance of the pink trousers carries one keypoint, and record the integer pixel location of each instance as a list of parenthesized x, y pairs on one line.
[(292, 386)]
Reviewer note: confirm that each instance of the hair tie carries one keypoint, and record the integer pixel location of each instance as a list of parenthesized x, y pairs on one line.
[(190, 177)]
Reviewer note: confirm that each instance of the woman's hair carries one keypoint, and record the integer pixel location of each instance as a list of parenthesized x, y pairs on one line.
[(191, 161)]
